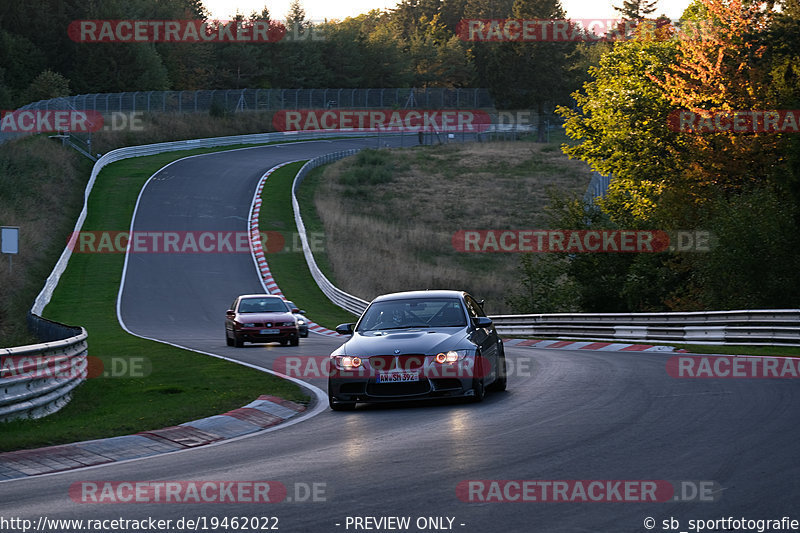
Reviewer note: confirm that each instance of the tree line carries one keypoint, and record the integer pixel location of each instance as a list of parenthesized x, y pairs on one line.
[(737, 182), (415, 44)]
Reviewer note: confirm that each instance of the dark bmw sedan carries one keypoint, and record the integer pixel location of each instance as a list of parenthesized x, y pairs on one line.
[(260, 318), (417, 345)]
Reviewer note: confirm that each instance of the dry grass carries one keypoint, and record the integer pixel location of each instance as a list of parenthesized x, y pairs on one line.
[(41, 186), (397, 234), (164, 127)]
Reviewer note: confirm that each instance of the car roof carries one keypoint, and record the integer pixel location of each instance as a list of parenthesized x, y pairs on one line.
[(243, 296), (420, 294)]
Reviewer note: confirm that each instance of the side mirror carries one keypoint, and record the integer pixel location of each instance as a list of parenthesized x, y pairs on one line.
[(345, 329), (295, 310), (229, 313), (302, 311), (481, 322)]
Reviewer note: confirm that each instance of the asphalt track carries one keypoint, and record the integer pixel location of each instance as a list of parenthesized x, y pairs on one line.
[(568, 415)]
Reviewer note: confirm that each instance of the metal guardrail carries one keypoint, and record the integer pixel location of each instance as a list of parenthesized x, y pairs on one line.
[(773, 327), (346, 301), (38, 379)]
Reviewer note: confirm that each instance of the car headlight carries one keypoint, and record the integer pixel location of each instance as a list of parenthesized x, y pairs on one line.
[(248, 324), (347, 362), (301, 322), (288, 324), (450, 356)]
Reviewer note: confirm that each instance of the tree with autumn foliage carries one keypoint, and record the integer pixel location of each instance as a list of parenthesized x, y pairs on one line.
[(719, 70), (743, 188)]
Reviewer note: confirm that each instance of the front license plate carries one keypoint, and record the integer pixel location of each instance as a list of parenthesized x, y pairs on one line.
[(270, 331), (397, 377)]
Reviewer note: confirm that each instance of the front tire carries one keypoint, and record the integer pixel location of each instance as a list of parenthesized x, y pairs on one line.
[(501, 382), (294, 341), (237, 342), (480, 390)]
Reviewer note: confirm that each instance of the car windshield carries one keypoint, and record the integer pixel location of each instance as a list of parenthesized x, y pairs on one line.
[(262, 305), (413, 313)]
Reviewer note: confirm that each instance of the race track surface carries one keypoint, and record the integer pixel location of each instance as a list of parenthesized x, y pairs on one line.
[(567, 415)]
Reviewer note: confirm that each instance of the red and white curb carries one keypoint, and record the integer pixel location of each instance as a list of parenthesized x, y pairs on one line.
[(588, 345), (270, 285), (259, 415)]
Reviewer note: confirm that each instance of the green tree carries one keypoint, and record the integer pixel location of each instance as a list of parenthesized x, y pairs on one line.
[(620, 119), (439, 57), (636, 9), (296, 22), (46, 85)]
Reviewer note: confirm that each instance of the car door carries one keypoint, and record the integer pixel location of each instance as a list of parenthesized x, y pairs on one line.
[(228, 320), (486, 337)]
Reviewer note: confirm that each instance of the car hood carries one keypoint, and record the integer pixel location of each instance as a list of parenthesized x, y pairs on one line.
[(265, 317), (408, 341)]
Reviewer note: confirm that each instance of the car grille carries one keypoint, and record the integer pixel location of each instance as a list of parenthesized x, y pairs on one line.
[(398, 389), (446, 383), (352, 388), (406, 362)]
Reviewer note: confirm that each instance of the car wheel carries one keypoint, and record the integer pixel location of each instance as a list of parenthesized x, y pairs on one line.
[(237, 342), (228, 340), (480, 390), (294, 342), (501, 382), (284, 342), (341, 406)]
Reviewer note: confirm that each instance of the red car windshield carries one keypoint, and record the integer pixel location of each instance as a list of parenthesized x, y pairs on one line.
[(262, 305)]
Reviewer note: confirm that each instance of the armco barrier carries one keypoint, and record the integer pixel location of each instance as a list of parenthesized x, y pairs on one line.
[(344, 300), (37, 380), (751, 327)]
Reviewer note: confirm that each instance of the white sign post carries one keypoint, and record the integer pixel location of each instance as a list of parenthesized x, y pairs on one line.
[(9, 242)]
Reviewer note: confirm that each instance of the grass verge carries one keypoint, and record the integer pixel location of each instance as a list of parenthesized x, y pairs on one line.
[(181, 385), (288, 266)]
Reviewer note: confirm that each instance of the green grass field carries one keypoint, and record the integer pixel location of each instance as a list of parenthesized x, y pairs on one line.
[(182, 386)]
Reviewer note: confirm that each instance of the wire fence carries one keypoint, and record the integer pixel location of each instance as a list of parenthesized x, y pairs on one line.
[(271, 99)]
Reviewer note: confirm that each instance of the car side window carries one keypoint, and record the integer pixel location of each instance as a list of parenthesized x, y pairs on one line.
[(233, 305), (474, 309)]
